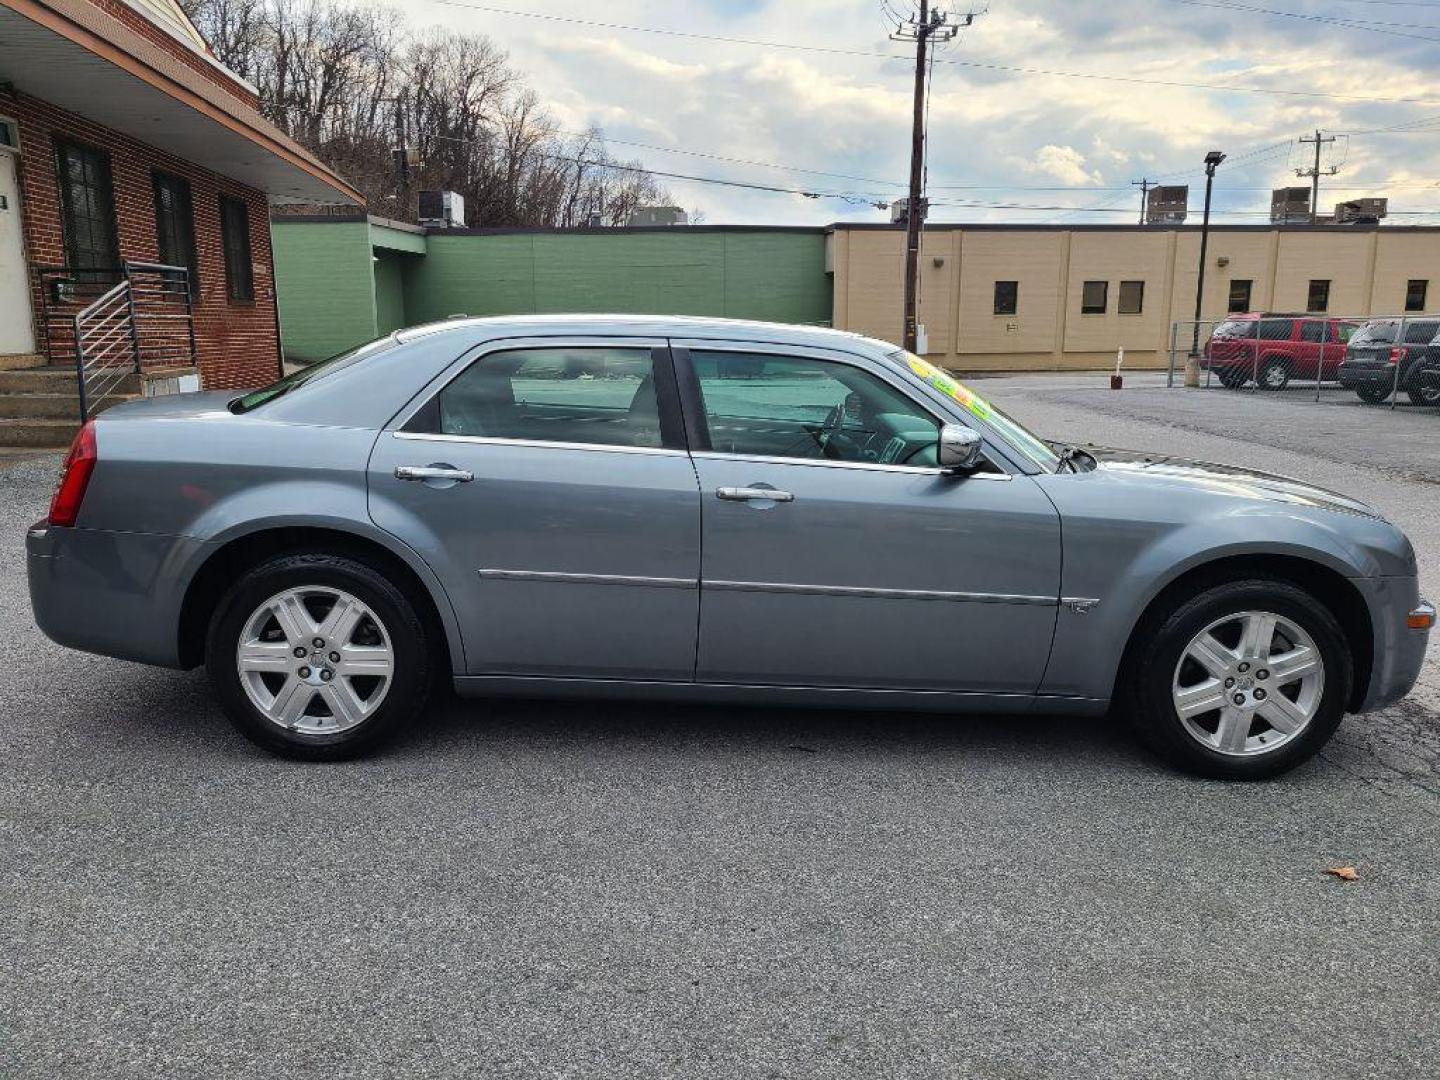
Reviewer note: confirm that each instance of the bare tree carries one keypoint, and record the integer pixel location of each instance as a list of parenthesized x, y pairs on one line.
[(345, 81)]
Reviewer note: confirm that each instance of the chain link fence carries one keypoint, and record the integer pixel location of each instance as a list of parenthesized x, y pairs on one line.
[(1378, 360)]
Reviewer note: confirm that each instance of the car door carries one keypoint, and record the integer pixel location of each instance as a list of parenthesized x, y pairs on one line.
[(1309, 348), (836, 554), (1337, 336), (547, 484)]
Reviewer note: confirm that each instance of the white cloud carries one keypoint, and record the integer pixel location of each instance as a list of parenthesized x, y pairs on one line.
[(1063, 163)]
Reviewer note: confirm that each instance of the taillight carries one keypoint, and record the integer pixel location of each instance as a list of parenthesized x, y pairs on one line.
[(74, 477), (1396, 355)]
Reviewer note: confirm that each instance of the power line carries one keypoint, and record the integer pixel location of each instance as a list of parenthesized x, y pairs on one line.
[(1370, 26), (1229, 88)]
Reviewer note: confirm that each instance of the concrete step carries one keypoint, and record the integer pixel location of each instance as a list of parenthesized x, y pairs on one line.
[(36, 434), (56, 380), (52, 406), (20, 361)]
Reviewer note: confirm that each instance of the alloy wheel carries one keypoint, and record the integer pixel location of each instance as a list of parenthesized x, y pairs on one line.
[(315, 660), (1248, 683)]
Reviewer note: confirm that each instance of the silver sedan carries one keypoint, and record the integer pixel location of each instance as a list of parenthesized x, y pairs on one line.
[(703, 509)]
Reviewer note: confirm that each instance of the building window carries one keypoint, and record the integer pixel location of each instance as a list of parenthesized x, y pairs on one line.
[(87, 208), (1007, 297), (1318, 298), (1240, 295), (9, 137), (1415, 294), (1132, 298), (1095, 298), (175, 226), (235, 235)]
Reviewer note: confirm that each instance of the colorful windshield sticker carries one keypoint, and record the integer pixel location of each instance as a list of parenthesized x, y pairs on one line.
[(972, 402)]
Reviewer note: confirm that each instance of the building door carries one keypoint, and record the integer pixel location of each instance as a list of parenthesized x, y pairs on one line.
[(17, 328)]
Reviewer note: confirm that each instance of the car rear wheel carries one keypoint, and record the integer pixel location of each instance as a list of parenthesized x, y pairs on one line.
[(1242, 681), (1373, 395), (318, 657), (1274, 374)]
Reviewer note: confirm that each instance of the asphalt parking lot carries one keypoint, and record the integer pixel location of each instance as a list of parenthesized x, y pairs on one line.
[(573, 890)]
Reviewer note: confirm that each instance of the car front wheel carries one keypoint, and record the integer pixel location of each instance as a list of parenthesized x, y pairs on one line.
[(318, 657), (1241, 682), (1423, 395)]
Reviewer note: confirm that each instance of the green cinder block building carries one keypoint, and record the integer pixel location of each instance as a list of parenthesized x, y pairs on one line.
[(343, 281)]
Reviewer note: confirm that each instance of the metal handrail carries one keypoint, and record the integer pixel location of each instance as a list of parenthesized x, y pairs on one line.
[(109, 343)]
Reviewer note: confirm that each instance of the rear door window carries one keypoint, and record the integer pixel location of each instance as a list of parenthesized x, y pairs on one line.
[(597, 396), (1420, 333)]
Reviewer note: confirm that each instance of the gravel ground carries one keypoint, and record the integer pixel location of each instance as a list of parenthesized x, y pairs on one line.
[(537, 890)]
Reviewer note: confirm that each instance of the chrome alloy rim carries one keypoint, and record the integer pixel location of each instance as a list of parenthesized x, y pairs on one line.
[(315, 660), (1248, 683)]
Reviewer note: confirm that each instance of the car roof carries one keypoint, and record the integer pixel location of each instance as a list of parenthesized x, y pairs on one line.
[(671, 326)]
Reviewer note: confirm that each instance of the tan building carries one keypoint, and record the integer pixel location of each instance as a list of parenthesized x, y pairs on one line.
[(1045, 297)]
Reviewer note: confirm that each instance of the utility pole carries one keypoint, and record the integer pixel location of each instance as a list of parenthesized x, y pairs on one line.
[(1192, 364), (1315, 172), (928, 29), (1144, 185)]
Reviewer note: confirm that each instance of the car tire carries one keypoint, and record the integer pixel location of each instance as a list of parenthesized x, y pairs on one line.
[(1423, 395), (1274, 374), (1374, 395), (1161, 676), (319, 657)]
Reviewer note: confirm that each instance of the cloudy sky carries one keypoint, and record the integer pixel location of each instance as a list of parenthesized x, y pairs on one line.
[(792, 117)]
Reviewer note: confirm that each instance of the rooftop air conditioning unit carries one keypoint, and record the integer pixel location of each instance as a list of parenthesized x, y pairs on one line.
[(442, 210)]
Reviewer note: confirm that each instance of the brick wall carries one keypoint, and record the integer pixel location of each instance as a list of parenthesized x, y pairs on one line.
[(238, 344), (137, 22)]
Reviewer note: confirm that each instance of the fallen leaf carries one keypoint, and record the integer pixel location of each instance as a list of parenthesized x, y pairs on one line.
[(1344, 873)]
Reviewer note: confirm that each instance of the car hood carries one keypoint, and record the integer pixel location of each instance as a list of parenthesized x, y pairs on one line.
[(1225, 480)]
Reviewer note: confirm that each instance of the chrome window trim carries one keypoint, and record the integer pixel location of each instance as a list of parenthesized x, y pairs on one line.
[(865, 466), (562, 578), (881, 594), (535, 444)]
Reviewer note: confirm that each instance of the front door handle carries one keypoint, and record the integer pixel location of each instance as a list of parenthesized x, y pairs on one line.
[(753, 494), (434, 472)]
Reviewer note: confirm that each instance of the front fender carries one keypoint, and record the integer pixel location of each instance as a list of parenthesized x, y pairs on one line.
[(1126, 564)]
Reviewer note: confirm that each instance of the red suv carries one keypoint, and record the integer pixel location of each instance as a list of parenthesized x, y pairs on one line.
[(1273, 349)]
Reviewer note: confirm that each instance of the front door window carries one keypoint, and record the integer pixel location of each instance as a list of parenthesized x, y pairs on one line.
[(810, 409)]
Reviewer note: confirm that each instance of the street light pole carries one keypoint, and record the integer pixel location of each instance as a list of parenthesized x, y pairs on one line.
[(1192, 363)]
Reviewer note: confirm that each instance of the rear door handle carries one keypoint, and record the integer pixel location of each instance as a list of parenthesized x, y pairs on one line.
[(753, 494), (433, 472)]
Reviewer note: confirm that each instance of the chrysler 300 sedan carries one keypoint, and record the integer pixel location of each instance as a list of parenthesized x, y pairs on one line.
[(715, 510)]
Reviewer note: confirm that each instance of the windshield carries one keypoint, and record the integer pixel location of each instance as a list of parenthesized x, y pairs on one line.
[(256, 398), (1012, 431)]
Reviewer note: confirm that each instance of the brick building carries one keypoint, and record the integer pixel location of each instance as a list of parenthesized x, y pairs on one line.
[(124, 147)]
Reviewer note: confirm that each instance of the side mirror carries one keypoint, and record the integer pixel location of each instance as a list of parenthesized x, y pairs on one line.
[(959, 447)]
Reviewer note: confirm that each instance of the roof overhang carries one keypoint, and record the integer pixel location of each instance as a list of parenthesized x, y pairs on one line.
[(73, 55)]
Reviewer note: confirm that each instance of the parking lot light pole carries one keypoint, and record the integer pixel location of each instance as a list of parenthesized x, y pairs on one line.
[(1192, 363)]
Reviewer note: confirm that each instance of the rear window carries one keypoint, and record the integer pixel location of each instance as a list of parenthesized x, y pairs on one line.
[(296, 379), (1420, 333), (1375, 333)]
